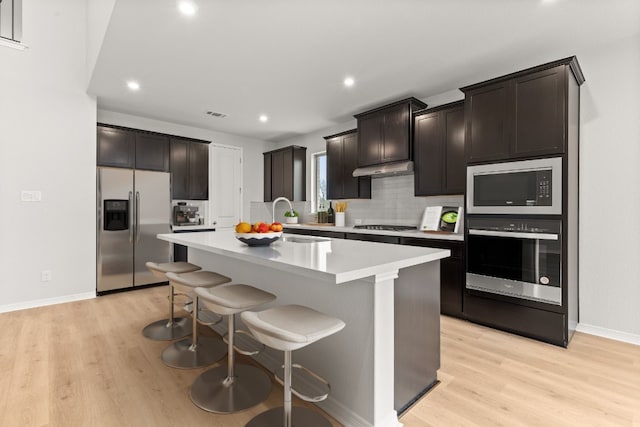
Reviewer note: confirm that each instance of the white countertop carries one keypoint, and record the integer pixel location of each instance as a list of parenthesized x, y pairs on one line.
[(412, 233), (338, 260)]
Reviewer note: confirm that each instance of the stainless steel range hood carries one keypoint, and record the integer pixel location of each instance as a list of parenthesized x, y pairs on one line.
[(385, 169)]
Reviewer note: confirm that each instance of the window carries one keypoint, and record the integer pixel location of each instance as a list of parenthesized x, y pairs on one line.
[(11, 20), (319, 183)]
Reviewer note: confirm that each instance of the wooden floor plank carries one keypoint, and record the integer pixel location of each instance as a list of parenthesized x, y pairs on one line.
[(86, 363)]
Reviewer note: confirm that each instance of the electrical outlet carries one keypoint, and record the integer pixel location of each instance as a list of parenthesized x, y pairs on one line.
[(30, 195), (45, 275)]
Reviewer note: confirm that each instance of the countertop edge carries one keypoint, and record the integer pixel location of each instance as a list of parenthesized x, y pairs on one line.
[(435, 255)]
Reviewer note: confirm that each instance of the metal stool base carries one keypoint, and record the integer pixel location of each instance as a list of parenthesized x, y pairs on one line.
[(159, 330), (300, 417), (251, 386), (208, 351)]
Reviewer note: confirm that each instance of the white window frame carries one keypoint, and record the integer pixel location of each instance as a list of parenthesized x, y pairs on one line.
[(314, 180), (11, 23)]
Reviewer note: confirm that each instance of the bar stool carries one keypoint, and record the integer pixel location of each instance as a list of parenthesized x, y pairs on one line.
[(232, 388), (172, 328), (289, 328), (196, 351)]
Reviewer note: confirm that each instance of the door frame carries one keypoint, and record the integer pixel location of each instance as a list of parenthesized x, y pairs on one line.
[(212, 147)]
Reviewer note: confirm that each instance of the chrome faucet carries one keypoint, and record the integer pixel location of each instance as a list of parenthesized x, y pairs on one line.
[(273, 207)]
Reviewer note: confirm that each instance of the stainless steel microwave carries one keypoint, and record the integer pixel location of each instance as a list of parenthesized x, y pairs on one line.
[(531, 187)]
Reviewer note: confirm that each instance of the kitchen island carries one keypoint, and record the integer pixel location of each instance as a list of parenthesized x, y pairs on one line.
[(361, 283)]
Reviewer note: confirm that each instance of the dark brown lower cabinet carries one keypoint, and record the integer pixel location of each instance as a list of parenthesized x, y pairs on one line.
[(452, 273), (452, 269), (520, 319)]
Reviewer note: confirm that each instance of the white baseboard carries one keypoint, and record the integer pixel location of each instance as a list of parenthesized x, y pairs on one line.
[(609, 333), (46, 301)]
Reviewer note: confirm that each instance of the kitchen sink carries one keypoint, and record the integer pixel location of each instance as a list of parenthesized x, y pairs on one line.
[(304, 239)]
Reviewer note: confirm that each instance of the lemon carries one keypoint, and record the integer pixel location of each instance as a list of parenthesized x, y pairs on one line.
[(243, 227)]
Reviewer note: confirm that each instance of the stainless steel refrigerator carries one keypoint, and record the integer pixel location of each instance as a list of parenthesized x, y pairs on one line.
[(133, 206)]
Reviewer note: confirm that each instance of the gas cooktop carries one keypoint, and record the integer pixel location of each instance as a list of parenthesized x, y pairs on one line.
[(386, 227)]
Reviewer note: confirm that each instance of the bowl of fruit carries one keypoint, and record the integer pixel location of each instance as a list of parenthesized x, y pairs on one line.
[(258, 234)]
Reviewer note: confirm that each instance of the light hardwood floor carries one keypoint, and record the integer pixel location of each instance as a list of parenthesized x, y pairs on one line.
[(87, 364)]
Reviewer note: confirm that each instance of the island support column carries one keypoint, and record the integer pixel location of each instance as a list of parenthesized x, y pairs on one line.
[(383, 394)]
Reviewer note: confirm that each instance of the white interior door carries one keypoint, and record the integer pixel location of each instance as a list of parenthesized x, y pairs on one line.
[(225, 185)]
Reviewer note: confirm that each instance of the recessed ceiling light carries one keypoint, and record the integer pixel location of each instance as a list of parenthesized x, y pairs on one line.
[(349, 81), (187, 8), (133, 85), (263, 118)]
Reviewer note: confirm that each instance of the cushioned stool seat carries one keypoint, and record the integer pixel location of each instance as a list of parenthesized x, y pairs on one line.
[(289, 328), (173, 327), (196, 351), (231, 388)]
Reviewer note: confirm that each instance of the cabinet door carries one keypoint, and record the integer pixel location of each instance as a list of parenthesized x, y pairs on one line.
[(486, 118), (152, 152), (198, 171), (353, 188), (277, 174), (454, 174), (539, 113), (370, 139), (287, 174), (428, 145), (395, 141), (267, 177), (335, 168), (179, 169), (116, 147), (452, 282)]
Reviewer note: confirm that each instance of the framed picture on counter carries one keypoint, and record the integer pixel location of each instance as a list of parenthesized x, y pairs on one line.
[(445, 219)]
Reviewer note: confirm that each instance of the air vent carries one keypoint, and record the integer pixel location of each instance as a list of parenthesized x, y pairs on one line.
[(216, 114)]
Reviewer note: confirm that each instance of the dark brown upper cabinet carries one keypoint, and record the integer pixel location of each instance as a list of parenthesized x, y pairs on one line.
[(342, 159), (152, 152), (285, 173), (520, 115), (439, 161), (189, 169), (116, 147), (130, 148), (384, 134)]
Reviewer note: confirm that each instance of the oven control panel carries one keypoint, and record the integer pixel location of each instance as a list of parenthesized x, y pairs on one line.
[(520, 225)]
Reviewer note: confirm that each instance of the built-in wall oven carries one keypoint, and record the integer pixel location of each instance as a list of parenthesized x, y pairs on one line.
[(514, 229), (520, 258)]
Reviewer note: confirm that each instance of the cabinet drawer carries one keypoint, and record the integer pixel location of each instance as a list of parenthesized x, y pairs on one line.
[(527, 321), (373, 238)]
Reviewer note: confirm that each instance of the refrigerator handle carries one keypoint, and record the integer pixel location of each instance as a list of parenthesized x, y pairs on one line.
[(130, 217), (137, 216)]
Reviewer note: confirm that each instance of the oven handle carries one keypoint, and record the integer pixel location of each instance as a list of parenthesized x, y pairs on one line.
[(515, 234)]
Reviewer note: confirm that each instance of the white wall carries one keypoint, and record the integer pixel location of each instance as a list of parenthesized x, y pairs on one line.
[(47, 143), (98, 16), (609, 195), (252, 149)]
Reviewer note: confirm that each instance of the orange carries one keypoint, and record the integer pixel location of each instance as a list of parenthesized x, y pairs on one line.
[(243, 227)]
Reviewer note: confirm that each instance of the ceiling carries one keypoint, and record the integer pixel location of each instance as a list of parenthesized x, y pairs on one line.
[(288, 59)]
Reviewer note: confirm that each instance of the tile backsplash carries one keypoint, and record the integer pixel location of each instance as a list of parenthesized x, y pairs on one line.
[(392, 202)]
